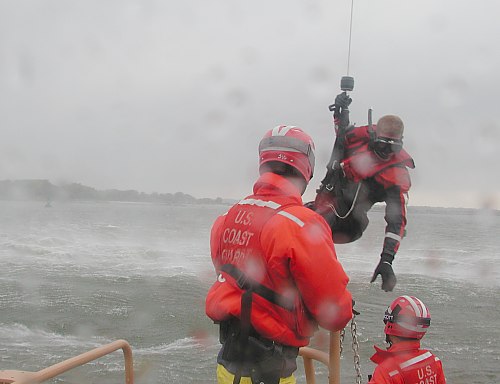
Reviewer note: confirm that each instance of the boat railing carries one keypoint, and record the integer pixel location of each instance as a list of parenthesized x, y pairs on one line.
[(23, 377), (308, 354), (330, 359)]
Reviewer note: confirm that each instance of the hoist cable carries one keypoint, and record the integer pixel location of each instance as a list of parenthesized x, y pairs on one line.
[(350, 36)]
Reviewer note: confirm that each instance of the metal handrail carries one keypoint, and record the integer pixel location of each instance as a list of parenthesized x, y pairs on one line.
[(309, 355), (22, 377), (331, 360)]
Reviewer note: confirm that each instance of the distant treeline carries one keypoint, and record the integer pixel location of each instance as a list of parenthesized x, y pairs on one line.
[(44, 190)]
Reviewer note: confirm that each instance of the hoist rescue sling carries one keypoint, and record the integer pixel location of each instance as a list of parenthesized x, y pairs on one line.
[(243, 344), (334, 171)]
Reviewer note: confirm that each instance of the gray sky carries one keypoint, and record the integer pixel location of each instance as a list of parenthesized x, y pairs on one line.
[(167, 96)]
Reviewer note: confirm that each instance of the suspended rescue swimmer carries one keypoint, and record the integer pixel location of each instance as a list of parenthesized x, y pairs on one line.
[(368, 165)]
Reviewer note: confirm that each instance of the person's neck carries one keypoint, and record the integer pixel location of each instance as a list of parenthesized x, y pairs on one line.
[(395, 339), (299, 182)]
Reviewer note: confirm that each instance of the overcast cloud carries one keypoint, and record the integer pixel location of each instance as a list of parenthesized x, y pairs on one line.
[(167, 96)]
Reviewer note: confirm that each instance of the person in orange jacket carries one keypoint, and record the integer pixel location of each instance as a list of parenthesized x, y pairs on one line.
[(278, 276), (406, 321)]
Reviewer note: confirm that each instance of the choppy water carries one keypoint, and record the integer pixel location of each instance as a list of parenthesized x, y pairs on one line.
[(79, 275)]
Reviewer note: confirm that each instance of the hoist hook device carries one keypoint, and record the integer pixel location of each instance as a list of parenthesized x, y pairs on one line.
[(347, 83)]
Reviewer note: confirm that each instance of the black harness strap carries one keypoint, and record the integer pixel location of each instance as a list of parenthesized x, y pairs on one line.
[(246, 308), (248, 284)]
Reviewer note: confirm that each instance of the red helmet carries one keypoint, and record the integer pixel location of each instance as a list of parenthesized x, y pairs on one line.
[(407, 317), (289, 145)]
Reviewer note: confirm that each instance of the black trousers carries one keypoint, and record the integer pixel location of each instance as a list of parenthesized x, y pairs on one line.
[(263, 360)]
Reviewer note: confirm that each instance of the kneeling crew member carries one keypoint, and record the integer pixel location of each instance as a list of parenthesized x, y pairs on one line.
[(406, 321)]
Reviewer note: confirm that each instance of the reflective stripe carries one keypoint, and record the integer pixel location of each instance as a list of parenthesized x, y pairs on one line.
[(260, 203), (282, 130), (414, 305), (424, 308), (292, 217), (415, 360), (287, 149), (393, 236), (272, 205), (393, 373)]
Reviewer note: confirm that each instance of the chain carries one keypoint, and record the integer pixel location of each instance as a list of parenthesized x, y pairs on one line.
[(355, 348), (342, 335)]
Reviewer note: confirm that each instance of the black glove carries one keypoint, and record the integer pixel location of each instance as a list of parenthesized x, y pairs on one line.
[(342, 100), (340, 109), (384, 269)]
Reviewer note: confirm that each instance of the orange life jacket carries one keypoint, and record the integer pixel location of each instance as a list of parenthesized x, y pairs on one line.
[(272, 238), (239, 246)]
